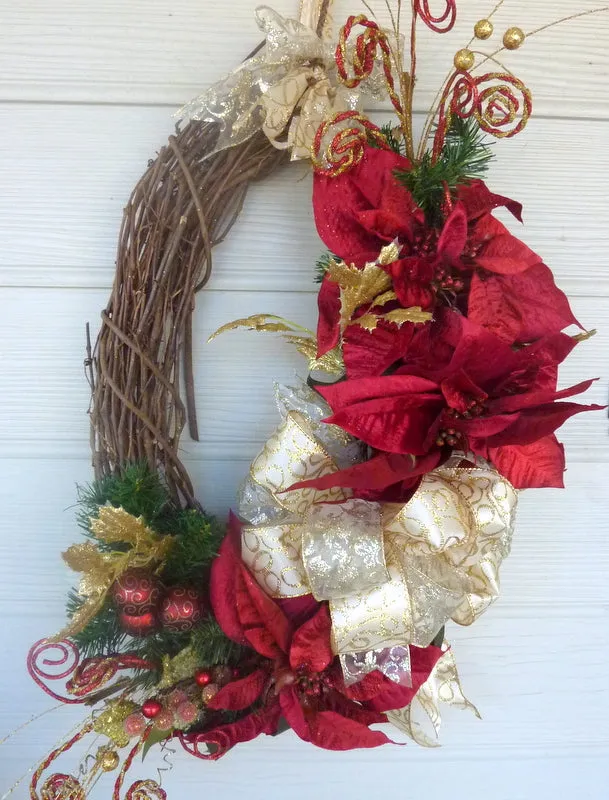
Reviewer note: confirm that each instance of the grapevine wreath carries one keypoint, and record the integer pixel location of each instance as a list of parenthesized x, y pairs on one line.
[(383, 505)]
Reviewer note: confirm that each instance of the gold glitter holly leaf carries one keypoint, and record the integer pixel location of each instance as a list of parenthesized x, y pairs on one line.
[(101, 569), (415, 314), (111, 722), (366, 286), (179, 668), (303, 339)]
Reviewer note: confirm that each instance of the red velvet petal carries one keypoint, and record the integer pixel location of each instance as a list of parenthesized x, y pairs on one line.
[(479, 200), (520, 308), (338, 203), (454, 235), (392, 424), (223, 737), (225, 573), (332, 731), (264, 624), (503, 253), (240, 694), (380, 472), (382, 694), (368, 353), (311, 644), (537, 423), (345, 393), (294, 713), (328, 302), (531, 466)]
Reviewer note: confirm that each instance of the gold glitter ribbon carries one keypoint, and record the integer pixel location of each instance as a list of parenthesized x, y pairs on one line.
[(287, 90), (393, 574), (421, 719)]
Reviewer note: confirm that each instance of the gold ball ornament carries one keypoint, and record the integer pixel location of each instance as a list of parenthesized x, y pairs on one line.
[(483, 29), (464, 59), (513, 38), (109, 760)]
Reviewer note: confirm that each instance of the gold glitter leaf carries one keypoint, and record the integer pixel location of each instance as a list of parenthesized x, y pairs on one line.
[(84, 558), (390, 253), (110, 722), (358, 287), (100, 570), (368, 322), (257, 322), (401, 315), (330, 363), (303, 339), (179, 668), (386, 297)]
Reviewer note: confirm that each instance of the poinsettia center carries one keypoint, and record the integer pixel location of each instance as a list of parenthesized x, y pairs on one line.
[(450, 437), (310, 683)]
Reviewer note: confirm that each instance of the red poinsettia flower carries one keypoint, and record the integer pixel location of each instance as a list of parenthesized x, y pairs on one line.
[(297, 677), (463, 387), (472, 262), (510, 291)]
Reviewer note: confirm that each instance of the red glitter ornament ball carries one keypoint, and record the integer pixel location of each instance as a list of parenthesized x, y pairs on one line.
[(202, 677), (181, 609), (151, 708), (138, 624), (137, 592)]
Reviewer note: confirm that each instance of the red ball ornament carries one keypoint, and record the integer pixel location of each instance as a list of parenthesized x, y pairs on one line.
[(137, 592), (202, 677), (181, 609), (138, 624), (151, 708)]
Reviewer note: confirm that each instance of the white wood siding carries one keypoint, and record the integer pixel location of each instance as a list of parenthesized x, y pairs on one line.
[(87, 90)]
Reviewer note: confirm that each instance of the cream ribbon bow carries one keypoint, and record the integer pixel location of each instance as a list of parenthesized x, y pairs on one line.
[(287, 90), (393, 574)]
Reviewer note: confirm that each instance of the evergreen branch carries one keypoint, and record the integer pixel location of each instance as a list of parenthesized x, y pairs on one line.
[(465, 156), (322, 265)]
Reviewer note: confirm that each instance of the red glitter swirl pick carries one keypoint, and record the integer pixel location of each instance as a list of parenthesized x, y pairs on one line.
[(441, 23)]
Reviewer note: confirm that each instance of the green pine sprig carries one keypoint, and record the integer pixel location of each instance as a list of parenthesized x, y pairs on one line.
[(466, 155)]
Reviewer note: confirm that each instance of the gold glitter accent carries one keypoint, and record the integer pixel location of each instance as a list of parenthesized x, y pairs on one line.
[(101, 569), (513, 38), (483, 29), (372, 286), (303, 339), (110, 722), (178, 668), (464, 59), (107, 759)]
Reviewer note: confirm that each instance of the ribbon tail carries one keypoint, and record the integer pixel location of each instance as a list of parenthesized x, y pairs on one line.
[(421, 720)]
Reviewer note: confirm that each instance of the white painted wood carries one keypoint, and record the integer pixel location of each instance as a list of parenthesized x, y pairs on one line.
[(151, 51), (86, 95), (45, 396), (68, 171)]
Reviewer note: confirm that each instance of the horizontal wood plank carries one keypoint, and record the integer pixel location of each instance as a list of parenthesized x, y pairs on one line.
[(155, 51), (68, 172), (44, 395)]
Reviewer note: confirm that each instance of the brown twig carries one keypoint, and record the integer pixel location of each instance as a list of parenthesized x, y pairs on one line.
[(186, 203)]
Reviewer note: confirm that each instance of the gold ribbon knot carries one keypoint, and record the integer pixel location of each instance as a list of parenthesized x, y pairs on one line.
[(287, 90), (393, 574)]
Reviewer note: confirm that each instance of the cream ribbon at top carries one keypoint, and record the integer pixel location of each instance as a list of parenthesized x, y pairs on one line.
[(393, 574), (287, 90)]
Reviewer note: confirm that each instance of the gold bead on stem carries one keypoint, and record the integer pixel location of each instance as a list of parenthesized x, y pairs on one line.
[(513, 38), (108, 760), (464, 59), (483, 29)]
